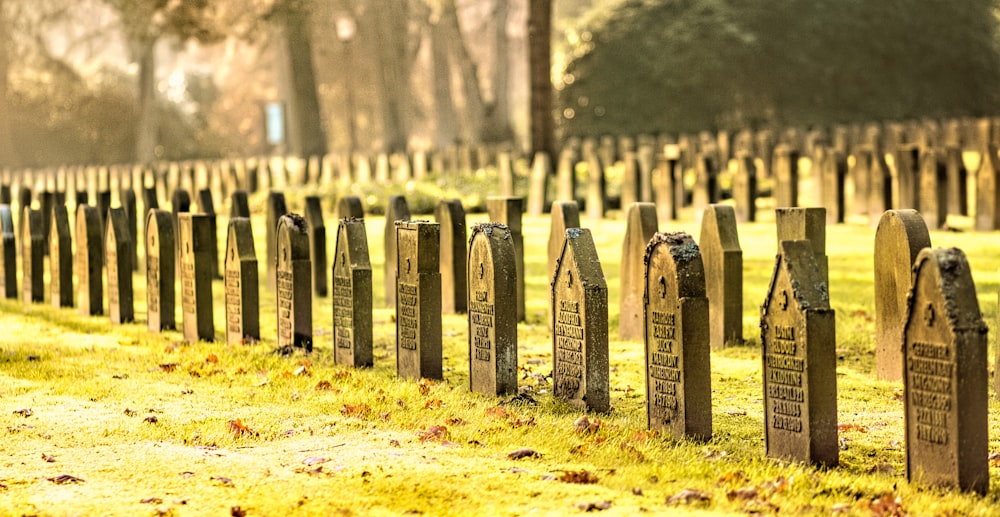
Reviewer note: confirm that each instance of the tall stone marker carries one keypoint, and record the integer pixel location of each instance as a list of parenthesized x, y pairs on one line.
[(786, 176), (206, 205), (60, 259), (450, 217), (933, 199), (944, 349), (641, 224), (805, 224), (317, 244), (418, 300), (276, 208), (678, 372), (33, 256), (352, 295), (722, 259), (127, 198), (242, 285), (797, 332), (161, 270), (196, 277), (396, 209), (8, 254), (239, 205), (900, 236), (118, 255), (580, 323), (745, 189), (294, 282), (507, 211), (988, 191), (350, 207), (89, 285), (492, 322)]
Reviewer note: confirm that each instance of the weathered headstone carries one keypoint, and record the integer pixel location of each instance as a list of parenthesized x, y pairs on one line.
[(396, 209), (879, 187), (706, 185), (745, 189), (641, 224), (239, 206), (833, 172), (580, 374), (933, 201), (946, 378), (786, 176), (33, 257), (60, 258), (958, 182), (988, 191), (350, 207), (317, 244), (5, 194), (418, 300), (118, 255), (492, 323), (597, 197), (564, 215), (161, 274), (24, 200), (150, 199), (103, 205), (507, 211), (196, 277), (206, 205), (505, 175), (630, 180), (678, 372), (294, 283), (797, 332), (126, 197), (722, 258), (906, 178), (242, 285), (46, 200), (450, 217), (668, 184), (352, 295), (538, 180), (808, 224), (89, 254), (900, 236), (566, 176), (276, 208), (180, 202)]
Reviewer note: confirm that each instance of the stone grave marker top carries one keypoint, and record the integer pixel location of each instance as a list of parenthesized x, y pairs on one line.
[(352, 295), (294, 283), (492, 325), (242, 290), (239, 205), (350, 207), (723, 262), (418, 300), (641, 224), (161, 273)]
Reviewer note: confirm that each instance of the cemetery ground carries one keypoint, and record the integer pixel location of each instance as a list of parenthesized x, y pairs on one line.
[(117, 420)]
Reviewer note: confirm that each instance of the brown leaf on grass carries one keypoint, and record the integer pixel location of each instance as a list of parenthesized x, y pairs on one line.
[(151, 419), (151, 500), (26, 412), (524, 453), (852, 427), (689, 496), (239, 429), (433, 404), (580, 448), (342, 374), (888, 505), (425, 386), (305, 362), (593, 506), (882, 468), (212, 358), (385, 416), (324, 386), (434, 433), (584, 425), (301, 371), (579, 477), (48, 458), (456, 421), (732, 477), (994, 459), (65, 479), (394, 443), (356, 410), (516, 421), (130, 412), (168, 367), (496, 412), (645, 435), (221, 481), (742, 494), (237, 511), (633, 452)]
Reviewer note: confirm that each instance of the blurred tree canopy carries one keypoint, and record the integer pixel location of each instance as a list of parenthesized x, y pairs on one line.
[(685, 65)]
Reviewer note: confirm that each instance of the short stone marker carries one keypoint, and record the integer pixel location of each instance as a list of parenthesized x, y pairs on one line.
[(242, 285), (8, 254), (507, 211), (492, 326), (89, 254), (678, 372), (239, 205), (906, 180), (352, 295), (450, 217), (745, 189), (127, 198), (5, 194), (196, 277), (958, 182), (60, 259), (946, 378), (276, 208), (722, 259), (118, 255), (418, 300), (396, 209), (805, 224), (797, 332), (33, 256), (833, 172), (988, 191), (900, 236), (206, 205), (641, 224), (317, 244), (597, 196), (150, 198), (933, 198), (879, 186), (538, 180), (161, 273), (46, 200), (564, 215), (24, 197), (580, 325), (350, 207), (294, 283), (786, 177)]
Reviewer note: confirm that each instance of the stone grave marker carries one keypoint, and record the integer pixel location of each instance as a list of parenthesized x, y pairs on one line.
[(206, 205), (103, 205), (505, 174), (241, 283), (276, 208), (668, 184), (150, 198), (906, 177), (352, 295), (350, 207), (89, 254), (797, 332), (161, 256), (317, 245), (580, 374), (118, 255), (808, 224), (641, 224), (833, 171), (933, 200), (418, 300), (5, 197), (196, 277), (879, 186), (492, 325), (396, 209), (988, 191), (630, 180), (126, 196), (294, 283), (958, 182), (60, 259), (46, 200), (538, 180), (946, 378), (507, 211), (706, 186), (900, 236), (33, 257), (564, 215), (450, 217), (24, 200), (786, 176), (239, 206), (597, 197), (678, 373), (722, 259), (745, 189), (180, 202), (566, 175)]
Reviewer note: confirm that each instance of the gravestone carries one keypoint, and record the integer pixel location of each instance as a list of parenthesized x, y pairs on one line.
[(641, 224), (46, 200), (242, 285), (906, 178), (276, 208), (350, 207), (126, 197), (958, 182), (580, 374), (150, 199), (745, 189), (505, 174), (786, 176), (900, 236), (161, 256), (879, 187), (317, 244), (706, 186), (833, 172), (946, 378), (196, 277), (678, 373), (450, 217), (668, 184), (33, 257), (396, 209), (418, 300), (564, 215), (507, 211), (89, 254), (206, 205), (630, 179), (24, 200), (239, 205), (988, 191), (60, 259), (597, 197), (103, 205), (492, 325), (807, 224), (352, 295), (118, 255), (180, 202), (294, 283), (797, 332), (722, 259), (538, 181), (566, 176), (5, 197), (933, 200)]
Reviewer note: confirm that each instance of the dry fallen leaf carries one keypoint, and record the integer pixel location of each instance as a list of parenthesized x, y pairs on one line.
[(238, 428), (130, 412), (221, 481), (524, 453), (688, 496), (585, 425), (48, 458), (593, 506), (994, 459), (456, 421), (356, 410), (435, 433), (237, 511), (64, 479), (733, 476), (496, 412), (302, 370), (580, 477), (212, 358), (433, 404), (151, 500), (425, 386), (168, 367), (324, 386), (852, 427), (887, 506), (742, 494), (26, 412), (151, 419)]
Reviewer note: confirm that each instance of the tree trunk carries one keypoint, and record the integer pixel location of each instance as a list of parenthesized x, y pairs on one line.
[(7, 155), (540, 65), (497, 126), (390, 22), (473, 116), (444, 104), (147, 126), (304, 100)]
